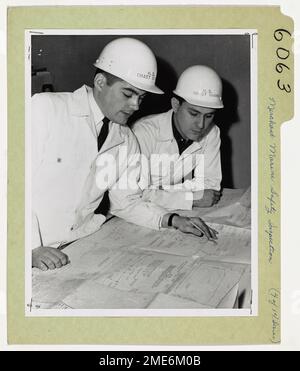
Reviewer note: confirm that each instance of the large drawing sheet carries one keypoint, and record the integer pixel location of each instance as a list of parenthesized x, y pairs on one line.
[(233, 244), (131, 280), (236, 214), (234, 208), (127, 266), (169, 301), (129, 270), (209, 282)]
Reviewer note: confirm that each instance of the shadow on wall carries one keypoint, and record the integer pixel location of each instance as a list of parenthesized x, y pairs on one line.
[(226, 118)]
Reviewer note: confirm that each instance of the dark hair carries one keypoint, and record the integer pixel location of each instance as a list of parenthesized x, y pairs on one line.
[(180, 100), (110, 79)]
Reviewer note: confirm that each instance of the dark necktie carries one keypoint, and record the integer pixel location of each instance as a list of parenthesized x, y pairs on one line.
[(103, 133), (104, 204)]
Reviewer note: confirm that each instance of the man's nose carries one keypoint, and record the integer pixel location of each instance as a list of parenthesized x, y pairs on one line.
[(134, 103), (201, 122)]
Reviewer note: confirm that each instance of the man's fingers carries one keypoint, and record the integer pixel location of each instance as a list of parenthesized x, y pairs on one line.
[(58, 258), (202, 226), (217, 196), (56, 261), (197, 227), (48, 262), (213, 233), (196, 231), (45, 257), (63, 258), (43, 266), (209, 232)]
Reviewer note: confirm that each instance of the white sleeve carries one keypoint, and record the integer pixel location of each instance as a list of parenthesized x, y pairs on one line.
[(126, 201)]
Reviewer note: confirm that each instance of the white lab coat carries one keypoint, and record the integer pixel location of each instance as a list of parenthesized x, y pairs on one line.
[(155, 136), (65, 164)]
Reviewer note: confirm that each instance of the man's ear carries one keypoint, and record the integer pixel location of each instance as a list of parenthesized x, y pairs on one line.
[(99, 81), (175, 104)]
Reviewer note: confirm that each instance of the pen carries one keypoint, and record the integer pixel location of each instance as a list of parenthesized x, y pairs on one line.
[(199, 229), (39, 230)]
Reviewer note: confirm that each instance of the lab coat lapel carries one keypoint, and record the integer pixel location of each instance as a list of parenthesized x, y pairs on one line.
[(80, 108), (193, 148)]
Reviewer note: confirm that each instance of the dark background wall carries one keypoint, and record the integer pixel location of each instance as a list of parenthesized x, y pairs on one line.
[(68, 61)]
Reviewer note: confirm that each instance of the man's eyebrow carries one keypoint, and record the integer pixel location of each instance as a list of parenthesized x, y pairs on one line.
[(193, 110), (135, 92)]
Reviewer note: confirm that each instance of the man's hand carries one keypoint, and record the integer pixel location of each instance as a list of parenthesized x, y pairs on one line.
[(195, 226), (210, 197), (46, 258)]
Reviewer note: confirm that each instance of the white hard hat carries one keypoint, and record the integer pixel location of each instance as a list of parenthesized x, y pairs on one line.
[(200, 86), (132, 61)]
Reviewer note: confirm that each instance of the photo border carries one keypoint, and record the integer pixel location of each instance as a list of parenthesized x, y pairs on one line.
[(253, 310)]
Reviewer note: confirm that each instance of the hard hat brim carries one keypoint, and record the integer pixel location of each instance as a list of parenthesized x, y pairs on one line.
[(205, 104), (154, 89), (213, 104), (150, 89)]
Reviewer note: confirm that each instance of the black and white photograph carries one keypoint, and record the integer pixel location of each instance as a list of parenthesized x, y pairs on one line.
[(141, 172)]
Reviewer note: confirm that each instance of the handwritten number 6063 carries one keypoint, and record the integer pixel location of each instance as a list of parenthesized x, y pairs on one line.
[(282, 54)]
